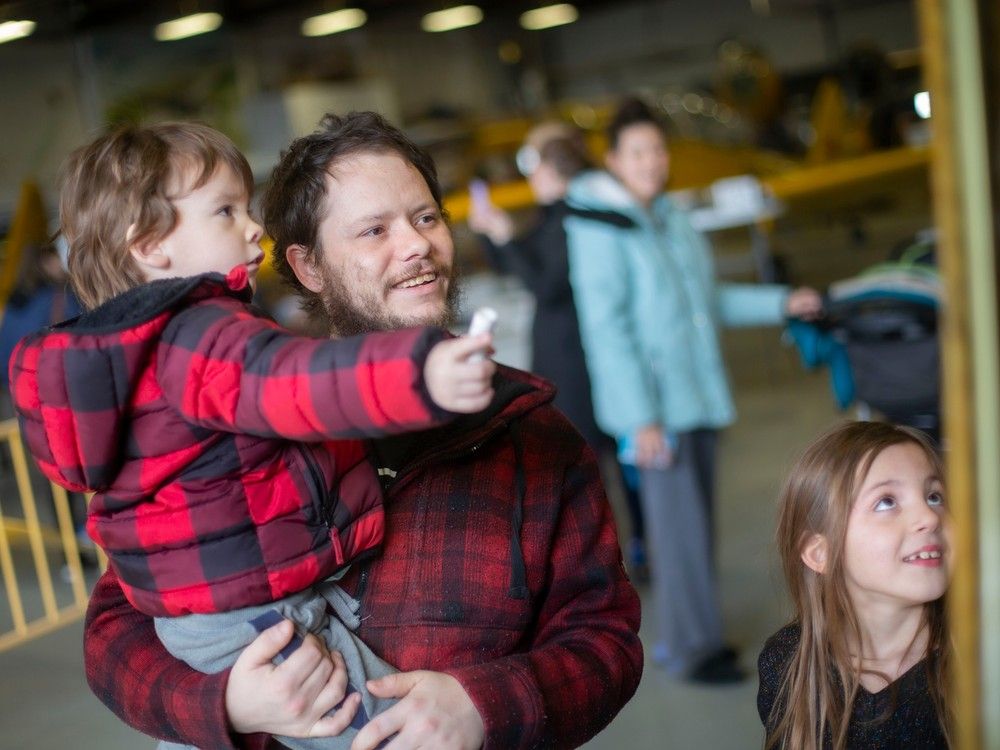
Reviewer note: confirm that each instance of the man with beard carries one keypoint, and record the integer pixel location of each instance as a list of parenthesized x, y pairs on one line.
[(499, 592)]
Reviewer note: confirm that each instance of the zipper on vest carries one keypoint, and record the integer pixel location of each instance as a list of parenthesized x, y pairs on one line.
[(325, 506), (359, 593)]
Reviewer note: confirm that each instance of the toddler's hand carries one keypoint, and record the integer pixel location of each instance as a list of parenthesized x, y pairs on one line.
[(458, 380)]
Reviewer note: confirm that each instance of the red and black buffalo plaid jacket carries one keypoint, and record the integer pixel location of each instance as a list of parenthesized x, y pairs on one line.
[(500, 566), (200, 426)]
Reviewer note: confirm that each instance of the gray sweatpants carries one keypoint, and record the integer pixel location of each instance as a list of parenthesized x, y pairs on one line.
[(211, 643), (677, 505)]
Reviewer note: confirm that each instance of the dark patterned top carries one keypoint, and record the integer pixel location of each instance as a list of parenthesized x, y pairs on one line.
[(913, 723)]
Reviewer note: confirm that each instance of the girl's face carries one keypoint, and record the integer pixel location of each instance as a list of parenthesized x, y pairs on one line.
[(641, 161), (897, 548)]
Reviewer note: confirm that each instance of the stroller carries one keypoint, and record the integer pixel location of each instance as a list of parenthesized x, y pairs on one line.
[(878, 335)]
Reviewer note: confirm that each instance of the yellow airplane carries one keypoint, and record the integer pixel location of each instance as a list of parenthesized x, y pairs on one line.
[(839, 167)]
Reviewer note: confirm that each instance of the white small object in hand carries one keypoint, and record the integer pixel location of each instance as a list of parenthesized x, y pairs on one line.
[(484, 320)]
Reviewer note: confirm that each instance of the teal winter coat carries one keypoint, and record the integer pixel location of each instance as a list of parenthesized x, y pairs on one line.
[(649, 308)]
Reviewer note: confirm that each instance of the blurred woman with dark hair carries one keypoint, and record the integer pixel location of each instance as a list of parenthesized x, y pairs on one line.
[(649, 309)]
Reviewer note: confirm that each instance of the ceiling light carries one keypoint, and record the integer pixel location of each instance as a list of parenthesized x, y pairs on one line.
[(335, 22), (549, 16), (11, 30), (922, 104), (185, 26), (452, 18)]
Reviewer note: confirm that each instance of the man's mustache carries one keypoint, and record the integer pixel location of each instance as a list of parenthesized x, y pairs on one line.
[(419, 268)]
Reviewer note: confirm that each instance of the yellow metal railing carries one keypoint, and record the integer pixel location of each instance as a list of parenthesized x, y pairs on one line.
[(40, 540)]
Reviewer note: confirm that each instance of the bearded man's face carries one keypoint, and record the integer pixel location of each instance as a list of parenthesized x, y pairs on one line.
[(386, 257)]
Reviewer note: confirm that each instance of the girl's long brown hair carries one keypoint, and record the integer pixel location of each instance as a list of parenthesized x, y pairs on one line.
[(817, 692)]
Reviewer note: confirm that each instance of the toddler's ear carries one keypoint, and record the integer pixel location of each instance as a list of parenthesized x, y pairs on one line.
[(147, 253), (814, 553), (305, 268)]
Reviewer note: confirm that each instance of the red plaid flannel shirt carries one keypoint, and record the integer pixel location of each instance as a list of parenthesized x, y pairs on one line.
[(197, 422), (548, 663)]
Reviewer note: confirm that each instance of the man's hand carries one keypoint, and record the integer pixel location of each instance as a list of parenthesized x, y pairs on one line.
[(455, 379), (434, 712), (291, 698)]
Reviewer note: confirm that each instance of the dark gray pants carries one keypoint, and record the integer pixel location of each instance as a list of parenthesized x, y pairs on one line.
[(211, 643), (677, 503)]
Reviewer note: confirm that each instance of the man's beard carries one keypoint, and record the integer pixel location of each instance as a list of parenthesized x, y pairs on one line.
[(336, 312)]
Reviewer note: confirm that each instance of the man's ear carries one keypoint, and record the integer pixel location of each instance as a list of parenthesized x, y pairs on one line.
[(147, 253), (304, 268), (814, 553)]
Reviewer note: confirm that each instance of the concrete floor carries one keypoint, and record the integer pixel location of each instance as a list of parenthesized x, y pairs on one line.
[(45, 703)]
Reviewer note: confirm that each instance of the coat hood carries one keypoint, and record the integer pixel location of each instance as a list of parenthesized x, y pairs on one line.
[(598, 189), (76, 384), (598, 195)]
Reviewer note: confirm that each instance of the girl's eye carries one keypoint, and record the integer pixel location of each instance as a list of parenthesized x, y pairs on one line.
[(226, 211), (935, 498), (886, 503)]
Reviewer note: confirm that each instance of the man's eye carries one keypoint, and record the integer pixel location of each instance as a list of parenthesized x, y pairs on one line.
[(373, 232), (935, 498), (427, 219), (886, 503)]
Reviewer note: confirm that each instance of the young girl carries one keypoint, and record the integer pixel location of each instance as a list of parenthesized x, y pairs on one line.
[(864, 538)]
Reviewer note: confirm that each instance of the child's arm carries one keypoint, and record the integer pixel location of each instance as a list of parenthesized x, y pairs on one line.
[(226, 368)]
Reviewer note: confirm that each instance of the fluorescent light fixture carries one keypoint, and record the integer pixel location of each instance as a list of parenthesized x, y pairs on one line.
[(185, 26), (11, 30), (452, 18), (922, 104), (334, 22), (549, 16)]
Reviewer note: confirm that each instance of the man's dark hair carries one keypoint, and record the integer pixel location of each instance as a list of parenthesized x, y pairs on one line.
[(632, 111), (292, 205)]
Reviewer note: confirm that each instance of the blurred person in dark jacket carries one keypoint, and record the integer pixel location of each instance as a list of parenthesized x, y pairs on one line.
[(553, 154)]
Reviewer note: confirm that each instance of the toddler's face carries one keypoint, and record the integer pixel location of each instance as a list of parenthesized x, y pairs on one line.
[(214, 230), (897, 548)]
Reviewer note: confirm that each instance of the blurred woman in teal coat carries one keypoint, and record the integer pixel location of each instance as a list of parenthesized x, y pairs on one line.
[(649, 307)]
